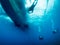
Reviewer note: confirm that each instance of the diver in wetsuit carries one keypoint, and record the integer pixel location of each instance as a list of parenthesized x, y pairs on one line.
[(32, 6)]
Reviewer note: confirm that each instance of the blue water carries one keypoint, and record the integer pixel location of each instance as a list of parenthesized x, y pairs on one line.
[(38, 26)]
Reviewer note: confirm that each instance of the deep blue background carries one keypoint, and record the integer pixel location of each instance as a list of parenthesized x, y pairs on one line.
[(9, 33)]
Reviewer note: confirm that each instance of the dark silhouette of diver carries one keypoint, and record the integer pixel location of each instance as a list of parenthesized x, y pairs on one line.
[(32, 6)]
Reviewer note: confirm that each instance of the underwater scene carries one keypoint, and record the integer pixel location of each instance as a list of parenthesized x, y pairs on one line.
[(30, 22)]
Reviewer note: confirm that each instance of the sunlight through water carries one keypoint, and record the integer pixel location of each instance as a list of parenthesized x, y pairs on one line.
[(41, 9)]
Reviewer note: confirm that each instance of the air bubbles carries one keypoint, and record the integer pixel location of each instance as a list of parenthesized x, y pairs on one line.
[(40, 37), (54, 31)]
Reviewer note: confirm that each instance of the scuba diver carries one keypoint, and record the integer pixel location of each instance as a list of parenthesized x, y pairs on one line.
[(32, 6)]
